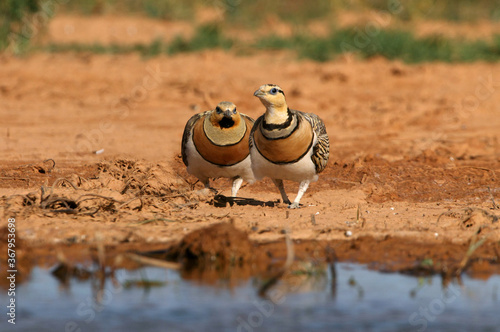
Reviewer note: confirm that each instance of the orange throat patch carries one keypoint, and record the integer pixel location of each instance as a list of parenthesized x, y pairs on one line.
[(222, 155), (288, 149)]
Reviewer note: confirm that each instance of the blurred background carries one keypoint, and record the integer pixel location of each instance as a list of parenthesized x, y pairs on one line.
[(413, 30)]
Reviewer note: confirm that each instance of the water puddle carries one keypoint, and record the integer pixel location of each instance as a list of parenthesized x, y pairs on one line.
[(342, 297)]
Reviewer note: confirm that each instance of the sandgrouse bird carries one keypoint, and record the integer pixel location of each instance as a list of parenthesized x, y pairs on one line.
[(215, 144), (286, 144)]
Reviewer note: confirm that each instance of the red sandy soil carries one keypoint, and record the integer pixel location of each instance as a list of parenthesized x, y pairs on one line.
[(413, 173)]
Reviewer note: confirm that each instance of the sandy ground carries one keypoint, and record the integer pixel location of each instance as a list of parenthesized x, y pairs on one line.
[(415, 152)]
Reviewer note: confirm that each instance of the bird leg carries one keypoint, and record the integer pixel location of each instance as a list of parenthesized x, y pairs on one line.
[(237, 181), (279, 184), (206, 183), (302, 189)]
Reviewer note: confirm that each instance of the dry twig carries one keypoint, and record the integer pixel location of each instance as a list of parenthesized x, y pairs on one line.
[(495, 206), (153, 261), (474, 245), (290, 256)]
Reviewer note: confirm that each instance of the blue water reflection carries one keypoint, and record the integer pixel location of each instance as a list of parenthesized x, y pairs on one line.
[(357, 299)]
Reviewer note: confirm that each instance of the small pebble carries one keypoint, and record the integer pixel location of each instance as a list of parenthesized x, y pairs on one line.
[(348, 233)]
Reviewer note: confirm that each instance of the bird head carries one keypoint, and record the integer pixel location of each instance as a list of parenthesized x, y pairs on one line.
[(271, 95), (273, 98), (225, 115), (224, 125)]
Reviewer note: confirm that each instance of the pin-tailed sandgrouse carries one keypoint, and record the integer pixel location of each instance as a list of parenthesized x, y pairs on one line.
[(215, 144), (286, 144)]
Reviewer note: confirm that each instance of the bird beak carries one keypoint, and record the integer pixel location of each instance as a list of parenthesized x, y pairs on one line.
[(258, 93), (228, 114)]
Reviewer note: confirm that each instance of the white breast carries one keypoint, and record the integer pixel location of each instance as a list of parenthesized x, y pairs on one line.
[(201, 168), (303, 169)]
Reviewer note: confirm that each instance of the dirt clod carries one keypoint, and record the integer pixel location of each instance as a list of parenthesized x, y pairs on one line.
[(220, 243)]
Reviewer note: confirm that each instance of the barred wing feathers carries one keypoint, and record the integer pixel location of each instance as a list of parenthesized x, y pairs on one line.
[(321, 150)]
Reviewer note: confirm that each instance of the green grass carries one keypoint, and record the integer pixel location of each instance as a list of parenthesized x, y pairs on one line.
[(391, 44), (146, 50), (450, 10), (254, 13), (12, 14), (161, 9), (16, 15), (251, 13), (206, 37)]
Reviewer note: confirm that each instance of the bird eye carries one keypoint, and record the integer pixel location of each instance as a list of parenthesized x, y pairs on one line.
[(234, 111), (273, 91), (218, 110)]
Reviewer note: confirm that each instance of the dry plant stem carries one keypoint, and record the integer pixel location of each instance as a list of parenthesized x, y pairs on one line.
[(474, 245), (53, 163), (153, 262), (30, 165), (101, 254), (44, 201), (129, 201), (147, 221), (95, 196), (290, 256), (468, 211), (495, 206)]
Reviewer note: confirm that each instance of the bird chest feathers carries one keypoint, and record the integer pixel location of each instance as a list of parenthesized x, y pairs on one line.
[(224, 153), (286, 149)]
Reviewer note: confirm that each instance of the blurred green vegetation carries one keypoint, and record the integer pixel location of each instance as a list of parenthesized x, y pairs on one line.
[(23, 19), (161, 9), (391, 44), (450, 10), (12, 14), (251, 13), (206, 36)]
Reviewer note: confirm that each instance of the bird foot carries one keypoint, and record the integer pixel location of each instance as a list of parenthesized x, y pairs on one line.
[(294, 205)]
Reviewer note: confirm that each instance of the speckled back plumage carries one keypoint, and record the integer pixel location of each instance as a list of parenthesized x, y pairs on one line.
[(321, 151), (187, 134)]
